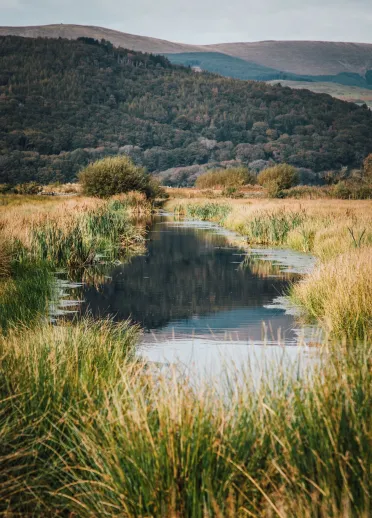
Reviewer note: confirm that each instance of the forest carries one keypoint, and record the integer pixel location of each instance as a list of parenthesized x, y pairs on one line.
[(66, 103)]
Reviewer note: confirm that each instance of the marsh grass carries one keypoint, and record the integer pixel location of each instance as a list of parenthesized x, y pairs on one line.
[(24, 295), (339, 292), (207, 211), (87, 432)]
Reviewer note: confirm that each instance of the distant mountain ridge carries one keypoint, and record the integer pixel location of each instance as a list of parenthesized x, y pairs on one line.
[(304, 58)]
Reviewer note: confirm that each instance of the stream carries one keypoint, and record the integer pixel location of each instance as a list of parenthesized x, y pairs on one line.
[(203, 300)]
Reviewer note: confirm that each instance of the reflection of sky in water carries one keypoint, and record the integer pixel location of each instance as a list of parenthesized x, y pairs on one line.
[(202, 301)]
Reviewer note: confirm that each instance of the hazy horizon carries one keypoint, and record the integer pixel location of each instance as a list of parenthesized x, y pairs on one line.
[(207, 21)]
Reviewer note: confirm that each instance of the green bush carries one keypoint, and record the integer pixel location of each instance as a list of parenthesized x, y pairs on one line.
[(116, 175), (277, 178), (233, 177)]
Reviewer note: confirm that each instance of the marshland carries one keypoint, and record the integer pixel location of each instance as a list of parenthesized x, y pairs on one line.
[(100, 411)]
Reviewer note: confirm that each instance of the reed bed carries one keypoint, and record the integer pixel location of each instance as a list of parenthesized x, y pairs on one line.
[(88, 432)]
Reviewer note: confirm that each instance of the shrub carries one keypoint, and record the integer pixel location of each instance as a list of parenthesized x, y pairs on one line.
[(4, 188), (28, 188), (232, 177), (116, 175), (277, 178)]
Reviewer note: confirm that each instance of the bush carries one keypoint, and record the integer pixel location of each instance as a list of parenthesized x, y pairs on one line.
[(116, 175), (277, 178), (5, 188), (28, 188), (232, 177)]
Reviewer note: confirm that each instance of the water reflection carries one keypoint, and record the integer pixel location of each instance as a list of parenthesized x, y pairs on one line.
[(201, 301), (190, 281)]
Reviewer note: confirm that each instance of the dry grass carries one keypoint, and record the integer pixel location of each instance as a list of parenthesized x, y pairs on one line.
[(339, 292), (325, 222), (21, 214)]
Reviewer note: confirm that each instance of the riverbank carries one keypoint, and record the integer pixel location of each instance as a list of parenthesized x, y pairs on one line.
[(337, 232), (87, 429)]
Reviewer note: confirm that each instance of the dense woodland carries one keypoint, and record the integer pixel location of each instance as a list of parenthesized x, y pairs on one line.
[(64, 103)]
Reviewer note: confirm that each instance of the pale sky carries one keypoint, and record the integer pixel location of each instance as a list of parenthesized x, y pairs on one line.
[(205, 21)]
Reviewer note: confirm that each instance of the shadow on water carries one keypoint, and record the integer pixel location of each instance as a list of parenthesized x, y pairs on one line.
[(196, 296)]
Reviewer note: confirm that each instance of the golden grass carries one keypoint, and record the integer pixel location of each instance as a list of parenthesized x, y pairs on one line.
[(339, 292), (328, 221), (21, 214)]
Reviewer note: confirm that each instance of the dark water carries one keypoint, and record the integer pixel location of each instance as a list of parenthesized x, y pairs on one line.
[(195, 295)]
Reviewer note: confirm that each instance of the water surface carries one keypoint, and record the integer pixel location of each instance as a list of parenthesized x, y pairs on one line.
[(201, 301)]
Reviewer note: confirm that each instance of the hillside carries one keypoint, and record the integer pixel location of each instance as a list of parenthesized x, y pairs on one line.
[(345, 63), (66, 102), (353, 94)]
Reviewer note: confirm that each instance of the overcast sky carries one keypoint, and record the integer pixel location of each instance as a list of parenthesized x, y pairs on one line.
[(205, 21)]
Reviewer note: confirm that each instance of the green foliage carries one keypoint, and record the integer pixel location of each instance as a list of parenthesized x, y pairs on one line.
[(232, 192), (277, 178), (66, 103), (367, 167), (86, 434), (5, 188), (117, 175), (24, 296), (232, 177)]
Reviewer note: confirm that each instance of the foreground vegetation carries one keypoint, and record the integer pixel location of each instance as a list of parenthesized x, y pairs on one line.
[(339, 233), (87, 432), (87, 429)]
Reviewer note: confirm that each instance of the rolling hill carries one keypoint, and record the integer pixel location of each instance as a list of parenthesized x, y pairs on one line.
[(313, 61), (65, 102)]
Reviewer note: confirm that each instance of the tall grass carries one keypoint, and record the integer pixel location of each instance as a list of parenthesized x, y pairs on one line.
[(24, 296), (339, 292), (86, 433), (207, 211)]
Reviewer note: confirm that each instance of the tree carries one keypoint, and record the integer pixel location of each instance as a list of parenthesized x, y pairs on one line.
[(367, 167), (115, 175)]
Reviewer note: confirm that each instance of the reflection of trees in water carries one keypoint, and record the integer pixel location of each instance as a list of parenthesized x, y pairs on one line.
[(182, 274)]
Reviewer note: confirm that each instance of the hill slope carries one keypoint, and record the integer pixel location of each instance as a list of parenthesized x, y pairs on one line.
[(65, 102), (316, 58)]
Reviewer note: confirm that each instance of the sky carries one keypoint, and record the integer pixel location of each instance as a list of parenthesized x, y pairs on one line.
[(205, 21)]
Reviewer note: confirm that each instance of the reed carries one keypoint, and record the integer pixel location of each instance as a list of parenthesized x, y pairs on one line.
[(207, 211), (86, 433)]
